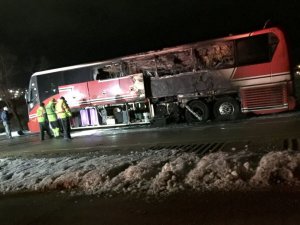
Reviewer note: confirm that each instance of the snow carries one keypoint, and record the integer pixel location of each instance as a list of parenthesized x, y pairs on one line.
[(151, 172)]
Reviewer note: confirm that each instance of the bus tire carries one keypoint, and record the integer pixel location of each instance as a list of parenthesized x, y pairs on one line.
[(198, 107), (226, 108)]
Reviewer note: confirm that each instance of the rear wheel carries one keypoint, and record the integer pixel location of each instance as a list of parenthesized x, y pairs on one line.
[(226, 108), (200, 112)]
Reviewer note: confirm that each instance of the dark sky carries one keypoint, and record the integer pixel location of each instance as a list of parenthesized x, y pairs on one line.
[(71, 32)]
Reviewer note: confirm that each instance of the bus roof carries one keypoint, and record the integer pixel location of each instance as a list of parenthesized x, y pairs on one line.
[(155, 52)]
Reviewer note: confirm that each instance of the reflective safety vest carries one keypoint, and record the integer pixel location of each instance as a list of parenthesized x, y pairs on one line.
[(62, 109), (50, 110), (41, 114)]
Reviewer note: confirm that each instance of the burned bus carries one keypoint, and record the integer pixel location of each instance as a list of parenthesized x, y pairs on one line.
[(214, 79)]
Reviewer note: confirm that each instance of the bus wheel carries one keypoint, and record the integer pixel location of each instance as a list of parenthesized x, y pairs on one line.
[(226, 108), (196, 111), (161, 110)]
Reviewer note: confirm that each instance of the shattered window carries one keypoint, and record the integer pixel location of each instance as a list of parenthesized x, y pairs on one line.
[(108, 71), (162, 64), (175, 63), (215, 55), (145, 66)]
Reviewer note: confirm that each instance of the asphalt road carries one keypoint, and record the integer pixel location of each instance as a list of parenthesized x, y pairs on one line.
[(213, 208), (230, 208), (277, 131)]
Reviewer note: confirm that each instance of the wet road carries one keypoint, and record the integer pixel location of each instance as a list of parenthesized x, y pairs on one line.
[(279, 131), (230, 208), (212, 208)]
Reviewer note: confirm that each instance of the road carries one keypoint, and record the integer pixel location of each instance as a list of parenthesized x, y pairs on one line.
[(278, 131), (267, 208), (213, 208)]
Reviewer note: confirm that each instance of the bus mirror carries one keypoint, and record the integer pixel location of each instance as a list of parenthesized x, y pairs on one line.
[(27, 98)]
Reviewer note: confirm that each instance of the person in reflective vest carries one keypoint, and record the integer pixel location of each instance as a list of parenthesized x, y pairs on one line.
[(43, 122), (63, 113), (52, 117)]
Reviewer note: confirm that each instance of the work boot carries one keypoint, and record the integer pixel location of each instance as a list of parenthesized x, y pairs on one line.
[(56, 132)]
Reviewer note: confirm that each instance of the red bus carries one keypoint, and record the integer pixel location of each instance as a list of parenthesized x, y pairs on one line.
[(214, 79)]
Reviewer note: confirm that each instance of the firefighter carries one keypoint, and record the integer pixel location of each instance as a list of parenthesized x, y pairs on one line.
[(52, 117), (43, 122), (64, 114)]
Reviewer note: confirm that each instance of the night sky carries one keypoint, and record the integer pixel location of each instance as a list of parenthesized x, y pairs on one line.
[(69, 32)]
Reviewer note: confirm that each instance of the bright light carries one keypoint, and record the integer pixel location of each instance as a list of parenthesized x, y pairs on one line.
[(14, 93), (116, 90)]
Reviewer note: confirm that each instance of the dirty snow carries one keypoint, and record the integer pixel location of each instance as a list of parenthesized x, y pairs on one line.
[(151, 172)]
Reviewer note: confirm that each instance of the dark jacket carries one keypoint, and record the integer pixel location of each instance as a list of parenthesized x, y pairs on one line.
[(5, 116)]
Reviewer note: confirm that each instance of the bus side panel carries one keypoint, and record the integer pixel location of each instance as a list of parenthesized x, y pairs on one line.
[(33, 124), (265, 87), (279, 63), (115, 91), (77, 95), (281, 60)]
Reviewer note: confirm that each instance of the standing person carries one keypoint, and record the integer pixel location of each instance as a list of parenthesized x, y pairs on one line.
[(52, 117), (64, 113), (43, 122), (6, 122)]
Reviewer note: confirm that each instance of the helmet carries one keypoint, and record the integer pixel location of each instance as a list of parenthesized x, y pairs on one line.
[(5, 108)]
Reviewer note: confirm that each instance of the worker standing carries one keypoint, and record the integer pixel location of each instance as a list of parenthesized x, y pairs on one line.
[(63, 113), (43, 122), (52, 117), (6, 121)]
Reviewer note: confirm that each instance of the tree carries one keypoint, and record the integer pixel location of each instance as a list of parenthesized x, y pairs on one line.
[(12, 70), (8, 72)]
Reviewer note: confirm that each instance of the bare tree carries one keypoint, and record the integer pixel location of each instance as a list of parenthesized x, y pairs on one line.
[(8, 71)]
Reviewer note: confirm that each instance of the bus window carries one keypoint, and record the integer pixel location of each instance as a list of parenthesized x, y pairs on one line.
[(32, 98), (77, 76), (48, 84), (147, 66), (124, 68), (253, 50), (108, 71), (218, 55)]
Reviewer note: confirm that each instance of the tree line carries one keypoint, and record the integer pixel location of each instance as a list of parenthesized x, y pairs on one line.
[(13, 69)]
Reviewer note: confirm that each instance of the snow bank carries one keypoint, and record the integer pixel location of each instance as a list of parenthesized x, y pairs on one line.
[(151, 172)]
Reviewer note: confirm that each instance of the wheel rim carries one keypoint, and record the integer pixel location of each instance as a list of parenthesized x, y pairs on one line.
[(226, 108), (199, 112), (196, 111)]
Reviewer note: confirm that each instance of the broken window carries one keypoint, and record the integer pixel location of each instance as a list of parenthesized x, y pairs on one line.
[(108, 71), (174, 63), (147, 66), (215, 55)]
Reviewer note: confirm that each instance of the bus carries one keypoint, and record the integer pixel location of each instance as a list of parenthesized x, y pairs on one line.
[(216, 79)]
